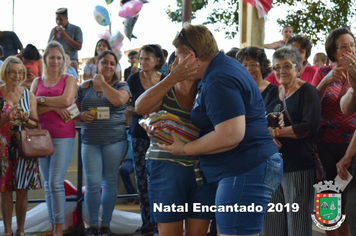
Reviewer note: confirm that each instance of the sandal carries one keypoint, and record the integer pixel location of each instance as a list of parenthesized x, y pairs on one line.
[(20, 233), (92, 231), (7, 234), (105, 231)]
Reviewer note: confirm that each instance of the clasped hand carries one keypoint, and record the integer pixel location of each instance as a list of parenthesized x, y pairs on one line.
[(58, 30), (349, 64), (15, 114), (99, 79)]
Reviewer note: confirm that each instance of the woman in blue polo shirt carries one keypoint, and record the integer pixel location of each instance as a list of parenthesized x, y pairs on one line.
[(234, 147)]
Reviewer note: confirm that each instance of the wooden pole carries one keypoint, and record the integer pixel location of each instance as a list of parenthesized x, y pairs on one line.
[(186, 11), (13, 14), (251, 27)]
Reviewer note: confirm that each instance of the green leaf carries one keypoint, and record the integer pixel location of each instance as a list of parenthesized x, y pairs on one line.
[(313, 19)]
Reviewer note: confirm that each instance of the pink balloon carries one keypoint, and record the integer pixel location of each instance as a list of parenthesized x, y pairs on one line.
[(130, 9), (106, 35)]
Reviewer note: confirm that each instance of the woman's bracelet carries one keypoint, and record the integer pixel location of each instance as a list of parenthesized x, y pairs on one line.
[(275, 133), (25, 122)]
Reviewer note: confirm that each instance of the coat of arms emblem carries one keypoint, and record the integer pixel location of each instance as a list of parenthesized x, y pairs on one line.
[(328, 215)]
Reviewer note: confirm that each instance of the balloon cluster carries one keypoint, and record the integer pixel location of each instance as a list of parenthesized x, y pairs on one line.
[(115, 41), (129, 9)]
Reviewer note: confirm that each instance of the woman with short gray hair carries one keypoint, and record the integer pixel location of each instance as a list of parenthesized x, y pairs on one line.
[(301, 126)]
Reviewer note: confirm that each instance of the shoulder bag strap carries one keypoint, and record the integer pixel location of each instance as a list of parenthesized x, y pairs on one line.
[(291, 121), (285, 108)]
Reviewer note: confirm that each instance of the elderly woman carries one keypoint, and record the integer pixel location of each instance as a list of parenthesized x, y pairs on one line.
[(55, 91), (336, 129), (301, 118), (348, 106), (255, 61), (151, 60), (90, 68), (103, 140), (230, 113), (171, 179), (304, 46), (18, 109)]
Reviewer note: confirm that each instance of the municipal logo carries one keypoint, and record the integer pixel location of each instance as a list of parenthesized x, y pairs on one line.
[(328, 215)]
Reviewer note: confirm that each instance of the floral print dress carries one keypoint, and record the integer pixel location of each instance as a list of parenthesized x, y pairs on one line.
[(16, 172)]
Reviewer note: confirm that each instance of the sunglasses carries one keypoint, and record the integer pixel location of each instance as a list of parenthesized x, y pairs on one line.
[(182, 37)]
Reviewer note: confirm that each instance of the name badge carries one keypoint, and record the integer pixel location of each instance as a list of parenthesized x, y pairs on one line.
[(103, 113), (73, 110)]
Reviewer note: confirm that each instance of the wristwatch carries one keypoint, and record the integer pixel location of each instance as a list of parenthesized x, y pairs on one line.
[(43, 100)]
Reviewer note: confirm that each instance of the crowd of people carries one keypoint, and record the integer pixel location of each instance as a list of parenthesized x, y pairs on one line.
[(243, 159)]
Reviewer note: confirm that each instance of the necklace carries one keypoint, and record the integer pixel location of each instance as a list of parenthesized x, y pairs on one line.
[(149, 81)]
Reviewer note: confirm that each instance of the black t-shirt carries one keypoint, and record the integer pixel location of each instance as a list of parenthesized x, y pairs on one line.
[(267, 90), (10, 43), (304, 109), (127, 73), (137, 89)]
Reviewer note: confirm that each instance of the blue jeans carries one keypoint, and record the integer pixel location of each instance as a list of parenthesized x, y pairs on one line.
[(172, 183), (253, 189), (125, 171), (101, 168), (53, 170)]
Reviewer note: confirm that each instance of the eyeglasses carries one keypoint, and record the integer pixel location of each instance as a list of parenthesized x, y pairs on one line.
[(285, 67), (14, 73), (345, 47), (253, 65), (182, 37)]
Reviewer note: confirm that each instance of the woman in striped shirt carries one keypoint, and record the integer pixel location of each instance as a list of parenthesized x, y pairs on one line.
[(18, 109), (102, 101)]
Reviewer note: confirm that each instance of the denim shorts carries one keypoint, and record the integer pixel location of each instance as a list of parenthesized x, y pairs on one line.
[(171, 183), (242, 200)]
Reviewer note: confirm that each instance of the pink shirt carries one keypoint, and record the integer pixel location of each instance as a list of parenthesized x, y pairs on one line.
[(34, 66), (306, 76), (51, 120)]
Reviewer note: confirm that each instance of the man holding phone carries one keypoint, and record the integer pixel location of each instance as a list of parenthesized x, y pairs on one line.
[(68, 35)]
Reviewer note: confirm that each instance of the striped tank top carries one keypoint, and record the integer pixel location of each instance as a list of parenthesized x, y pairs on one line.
[(171, 105)]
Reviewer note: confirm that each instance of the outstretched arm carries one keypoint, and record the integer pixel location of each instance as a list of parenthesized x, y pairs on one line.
[(274, 45)]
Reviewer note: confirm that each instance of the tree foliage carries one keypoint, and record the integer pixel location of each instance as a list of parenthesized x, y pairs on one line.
[(224, 11), (315, 19), (312, 18)]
